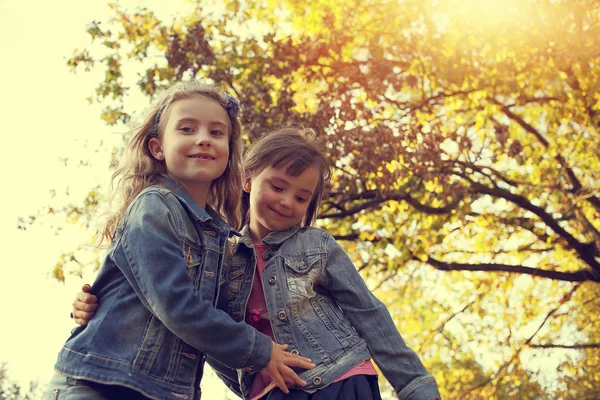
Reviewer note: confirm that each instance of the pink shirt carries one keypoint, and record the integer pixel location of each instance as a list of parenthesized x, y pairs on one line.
[(258, 316)]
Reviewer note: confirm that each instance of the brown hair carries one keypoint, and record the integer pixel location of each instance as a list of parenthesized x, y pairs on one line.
[(138, 169), (294, 149)]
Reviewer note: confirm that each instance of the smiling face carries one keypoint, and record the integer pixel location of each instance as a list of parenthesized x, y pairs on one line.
[(194, 144), (279, 201)]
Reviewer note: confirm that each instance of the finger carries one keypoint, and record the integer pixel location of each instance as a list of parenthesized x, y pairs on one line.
[(82, 315), (81, 318), (282, 346), (288, 373), (280, 382), (85, 307), (87, 298), (86, 288), (300, 362), (79, 305), (297, 357)]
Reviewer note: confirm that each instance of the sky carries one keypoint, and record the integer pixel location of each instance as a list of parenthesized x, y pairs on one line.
[(46, 118)]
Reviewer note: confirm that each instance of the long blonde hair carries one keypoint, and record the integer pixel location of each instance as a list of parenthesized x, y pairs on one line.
[(138, 169)]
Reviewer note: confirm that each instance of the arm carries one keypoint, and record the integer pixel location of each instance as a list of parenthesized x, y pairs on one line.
[(149, 255), (157, 273), (371, 319), (84, 308)]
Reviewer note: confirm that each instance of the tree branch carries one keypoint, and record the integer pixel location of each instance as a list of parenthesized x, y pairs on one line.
[(380, 199), (587, 251), (579, 276), (481, 169), (355, 236), (505, 366), (564, 346), (442, 326), (576, 186), (563, 300)]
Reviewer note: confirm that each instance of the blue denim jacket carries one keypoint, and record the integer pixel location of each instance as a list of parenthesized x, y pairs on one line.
[(156, 292), (321, 307)]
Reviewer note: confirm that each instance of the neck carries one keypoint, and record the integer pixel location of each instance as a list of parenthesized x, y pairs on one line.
[(256, 234), (199, 192)]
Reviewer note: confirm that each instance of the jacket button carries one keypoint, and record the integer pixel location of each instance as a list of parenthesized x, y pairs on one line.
[(282, 315), (295, 352), (317, 380), (272, 279)]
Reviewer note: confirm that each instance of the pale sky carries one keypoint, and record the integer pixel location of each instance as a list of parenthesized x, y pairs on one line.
[(45, 116)]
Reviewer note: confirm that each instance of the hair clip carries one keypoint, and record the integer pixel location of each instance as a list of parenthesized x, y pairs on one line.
[(154, 132), (233, 106)]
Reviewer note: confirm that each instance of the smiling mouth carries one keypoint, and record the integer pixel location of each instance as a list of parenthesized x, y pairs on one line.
[(280, 214), (202, 157)]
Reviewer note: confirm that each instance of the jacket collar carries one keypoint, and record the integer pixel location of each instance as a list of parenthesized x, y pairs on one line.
[(194, 210), (273, 239)]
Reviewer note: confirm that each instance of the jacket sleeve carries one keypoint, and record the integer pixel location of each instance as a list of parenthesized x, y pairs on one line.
[(371, 319), (149, 254)]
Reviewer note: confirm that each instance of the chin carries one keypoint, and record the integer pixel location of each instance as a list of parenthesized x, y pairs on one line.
[(283, 228)]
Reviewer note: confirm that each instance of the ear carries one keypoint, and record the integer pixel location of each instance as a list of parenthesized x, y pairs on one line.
[(247, 181), (155, 148)]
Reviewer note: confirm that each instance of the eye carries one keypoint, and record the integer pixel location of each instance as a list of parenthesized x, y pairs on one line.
[(217, 132), (301, 200), (276, 188), (187, 129)]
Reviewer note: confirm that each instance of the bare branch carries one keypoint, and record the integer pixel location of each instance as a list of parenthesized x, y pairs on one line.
[(579, 276), (587, 251), (564, 299), (564, 346), (356, 236), (442, 326), (379, 199)]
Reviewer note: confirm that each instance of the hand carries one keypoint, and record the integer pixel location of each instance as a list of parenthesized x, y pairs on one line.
[(84, 306), (279, 367)]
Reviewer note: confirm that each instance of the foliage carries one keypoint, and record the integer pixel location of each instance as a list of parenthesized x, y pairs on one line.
[(465, 136), (11, 390)]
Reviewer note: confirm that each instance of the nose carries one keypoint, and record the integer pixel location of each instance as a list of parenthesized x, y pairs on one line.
[(286, 200), (203, 137)]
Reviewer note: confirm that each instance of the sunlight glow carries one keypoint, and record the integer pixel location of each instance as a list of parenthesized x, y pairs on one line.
[(492, 15)]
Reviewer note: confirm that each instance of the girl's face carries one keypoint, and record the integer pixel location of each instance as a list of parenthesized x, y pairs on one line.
[(279, 201), (195, 142)]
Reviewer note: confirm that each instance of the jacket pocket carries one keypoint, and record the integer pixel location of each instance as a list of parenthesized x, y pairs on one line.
[(301, 274), (183, 364), (301, 265), (154, 336)]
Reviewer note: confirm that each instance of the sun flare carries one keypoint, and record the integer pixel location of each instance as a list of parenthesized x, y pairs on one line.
[(489, 14)]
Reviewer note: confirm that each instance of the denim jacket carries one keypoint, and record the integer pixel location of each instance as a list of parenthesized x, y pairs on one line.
[(321, 307), (156, 291)]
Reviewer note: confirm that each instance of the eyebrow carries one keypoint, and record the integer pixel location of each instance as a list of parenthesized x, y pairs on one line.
[(287, 183), (194, 120)]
